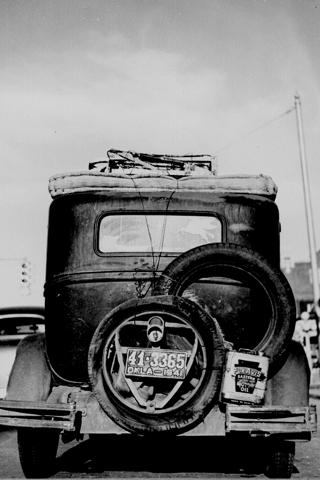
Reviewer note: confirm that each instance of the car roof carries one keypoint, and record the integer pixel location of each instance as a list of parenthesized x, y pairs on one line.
[(151, 181), (128, 170)]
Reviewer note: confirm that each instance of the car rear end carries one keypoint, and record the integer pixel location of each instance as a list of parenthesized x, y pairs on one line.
[(166, 311)]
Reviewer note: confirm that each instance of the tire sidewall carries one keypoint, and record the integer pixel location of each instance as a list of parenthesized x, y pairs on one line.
[(245, 263)]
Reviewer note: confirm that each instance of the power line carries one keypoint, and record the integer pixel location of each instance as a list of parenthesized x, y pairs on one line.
[(256, 129)]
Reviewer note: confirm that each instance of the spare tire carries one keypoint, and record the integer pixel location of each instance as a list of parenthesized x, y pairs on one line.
[(250, 298), (163, 386)]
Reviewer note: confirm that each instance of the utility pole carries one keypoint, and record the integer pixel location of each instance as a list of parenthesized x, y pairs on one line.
[(307, 198)]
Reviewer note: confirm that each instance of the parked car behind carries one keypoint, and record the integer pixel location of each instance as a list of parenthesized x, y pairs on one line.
[(15, 324)]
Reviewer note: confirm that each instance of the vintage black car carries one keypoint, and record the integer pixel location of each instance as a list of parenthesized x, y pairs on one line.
[(166, 314)]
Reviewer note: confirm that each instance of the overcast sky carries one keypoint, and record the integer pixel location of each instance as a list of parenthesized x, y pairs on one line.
[(79, 77)]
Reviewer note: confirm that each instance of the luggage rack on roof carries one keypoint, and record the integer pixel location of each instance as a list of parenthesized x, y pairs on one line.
[(120, 160)]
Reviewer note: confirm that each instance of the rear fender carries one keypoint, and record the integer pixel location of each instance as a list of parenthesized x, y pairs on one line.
[(290, 386), (30, 377)]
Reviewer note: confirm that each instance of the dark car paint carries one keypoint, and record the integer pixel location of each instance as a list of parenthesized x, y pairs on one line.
[(83, 284)]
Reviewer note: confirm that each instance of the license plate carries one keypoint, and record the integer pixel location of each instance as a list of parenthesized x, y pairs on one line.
[(156, 363)]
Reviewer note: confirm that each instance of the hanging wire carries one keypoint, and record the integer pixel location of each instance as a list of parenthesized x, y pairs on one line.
[(256, 129), (155, 264), (164, 229)]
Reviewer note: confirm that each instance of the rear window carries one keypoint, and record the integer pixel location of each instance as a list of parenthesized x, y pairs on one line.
[(156, 233)]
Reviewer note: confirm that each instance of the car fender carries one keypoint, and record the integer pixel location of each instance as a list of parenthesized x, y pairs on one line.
[(30, 377), (290, 386)]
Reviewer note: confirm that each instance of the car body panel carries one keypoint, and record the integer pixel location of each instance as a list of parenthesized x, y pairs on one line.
[(85, 284)]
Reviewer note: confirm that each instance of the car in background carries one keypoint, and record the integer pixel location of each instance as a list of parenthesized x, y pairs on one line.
[(15, 323)]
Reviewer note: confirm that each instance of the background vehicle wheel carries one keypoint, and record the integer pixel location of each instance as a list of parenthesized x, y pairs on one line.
[(280, 464), (167, 385), (250, 298), (37, 451)]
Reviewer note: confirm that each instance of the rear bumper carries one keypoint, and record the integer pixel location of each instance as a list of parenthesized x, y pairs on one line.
[(295, 423), (15, 413)]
